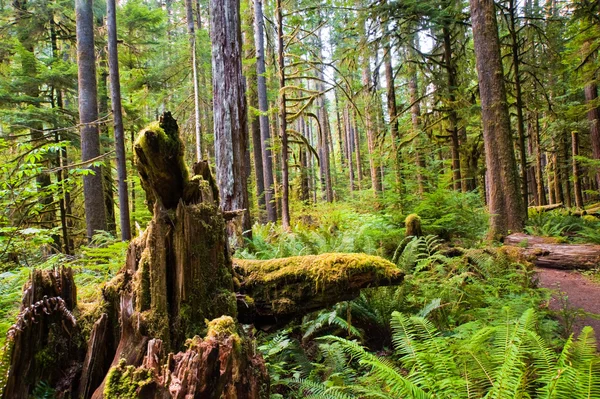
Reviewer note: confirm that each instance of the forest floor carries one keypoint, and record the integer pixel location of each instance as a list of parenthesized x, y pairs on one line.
[(575, 298)]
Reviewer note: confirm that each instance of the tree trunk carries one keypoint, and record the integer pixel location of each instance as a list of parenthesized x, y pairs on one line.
[(506, 205), (285, 208), (115, 87), (359, 170), (593, 115), (103, 115), (95, 213), (263, 107), (519, 102), (230, 114), (415, 117), (253, 116), (370, 129), (392, 111), (452, 115), (192, 39), (576, 171)]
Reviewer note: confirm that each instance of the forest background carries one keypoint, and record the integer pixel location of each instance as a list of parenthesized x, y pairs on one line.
[(370, 110)]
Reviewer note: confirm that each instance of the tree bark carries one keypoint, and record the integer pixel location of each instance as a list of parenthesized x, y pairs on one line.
[(452, 114), (285, 208), (415, 117), (505, 202), (263, 107), (192, 39), (593, 115), (392, 111), (543, 252), (519, 102), (115, 88), (370, 129), (230, 113), (576, 170), (95, 213), (253, 107)]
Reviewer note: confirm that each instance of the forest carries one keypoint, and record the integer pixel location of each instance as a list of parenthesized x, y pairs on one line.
[(285, 199)]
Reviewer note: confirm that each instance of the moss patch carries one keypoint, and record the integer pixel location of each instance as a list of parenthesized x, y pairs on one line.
[(320, 269), (125, 382)]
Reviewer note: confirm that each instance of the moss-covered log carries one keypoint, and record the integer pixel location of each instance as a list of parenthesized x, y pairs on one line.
[(278, 289), (546, 252)]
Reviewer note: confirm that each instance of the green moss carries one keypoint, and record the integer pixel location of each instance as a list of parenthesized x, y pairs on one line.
[(413, 225), (221, 327), (159, 158), (319, 269), (224, 328), (5, 358), (142, 282), (157, 325), (124, 381)]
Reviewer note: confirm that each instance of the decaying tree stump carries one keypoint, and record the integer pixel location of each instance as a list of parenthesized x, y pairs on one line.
[(545, 252), (42, 345), (413, 226), (145, 342)]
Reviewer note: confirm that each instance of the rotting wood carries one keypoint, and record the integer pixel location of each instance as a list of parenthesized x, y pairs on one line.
[(546, 252)]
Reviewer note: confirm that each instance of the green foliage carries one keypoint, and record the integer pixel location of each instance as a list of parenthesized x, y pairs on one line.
[(326, 229), (452, 214), (507, 359), (564, 226)]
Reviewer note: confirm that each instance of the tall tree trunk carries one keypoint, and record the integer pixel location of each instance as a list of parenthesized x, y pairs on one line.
[(370, 128), (506, 203), (359, 169), (103, 115), (593, 115), (539, 172), (415, 117), (341, 132), (263, 107), (115, 87), (95, 213), (230, 113), (62, 153), (576, 170), (253, 116), (452, 114), (285, 209), (519, 103), (392, 110), (192, 39), (564, 169), (325, 131), (349, 146)]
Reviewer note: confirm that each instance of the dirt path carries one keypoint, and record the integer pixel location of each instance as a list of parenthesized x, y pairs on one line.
[(582, 293)]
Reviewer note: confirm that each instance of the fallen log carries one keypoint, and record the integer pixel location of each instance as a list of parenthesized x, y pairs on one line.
[(276, 290), (545, 208), (546, 252)]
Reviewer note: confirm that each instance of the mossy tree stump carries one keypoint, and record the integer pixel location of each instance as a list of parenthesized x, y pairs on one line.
[(145, 342)]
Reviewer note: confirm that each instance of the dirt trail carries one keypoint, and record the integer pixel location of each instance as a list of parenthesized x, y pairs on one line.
[(582, 293)]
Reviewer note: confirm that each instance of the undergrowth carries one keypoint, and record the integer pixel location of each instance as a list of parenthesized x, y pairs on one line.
[(464, 324)]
